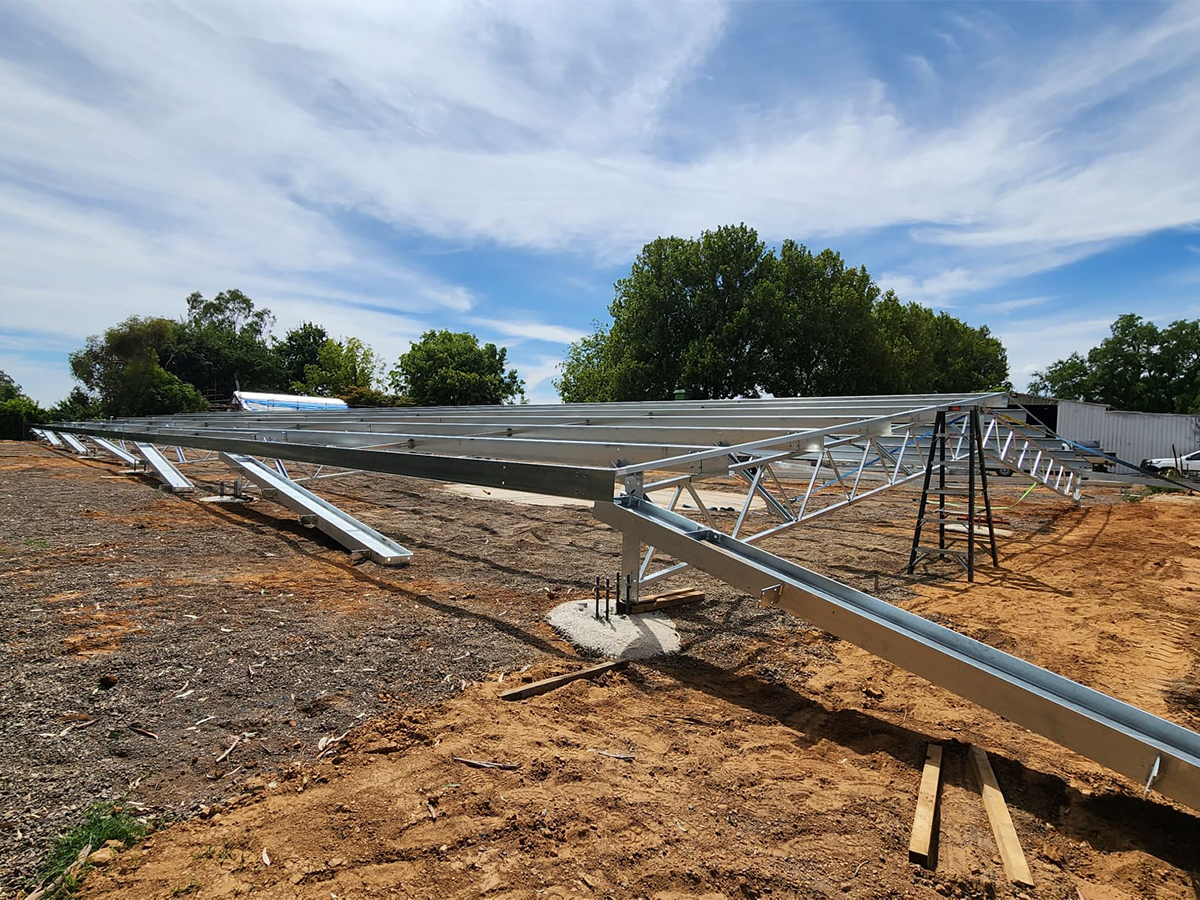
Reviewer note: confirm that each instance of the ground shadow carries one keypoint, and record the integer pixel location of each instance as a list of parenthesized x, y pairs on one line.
[(1110, 820)]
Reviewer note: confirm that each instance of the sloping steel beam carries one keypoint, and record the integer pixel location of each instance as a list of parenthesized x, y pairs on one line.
[(109, 447), (1152, 751), (171, 477), (354, 535), (54, 439), (75, 444)]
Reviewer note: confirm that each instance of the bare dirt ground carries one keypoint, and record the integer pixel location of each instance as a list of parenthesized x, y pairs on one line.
[(768, 757)]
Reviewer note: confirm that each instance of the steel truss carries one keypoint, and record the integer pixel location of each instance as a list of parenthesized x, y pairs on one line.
[(850, 449)]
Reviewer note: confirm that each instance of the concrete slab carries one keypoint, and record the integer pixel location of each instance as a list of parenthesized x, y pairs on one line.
[(621, 637)]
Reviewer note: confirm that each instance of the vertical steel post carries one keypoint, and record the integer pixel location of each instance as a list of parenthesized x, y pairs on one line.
[(631, 559)]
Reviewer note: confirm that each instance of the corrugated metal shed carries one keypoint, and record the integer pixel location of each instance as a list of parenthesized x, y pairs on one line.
[(1136, 436), (1082, 421), (1131, 436)]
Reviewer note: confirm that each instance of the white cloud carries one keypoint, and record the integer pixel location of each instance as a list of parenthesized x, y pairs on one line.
[(539, 373), (153, 150), (527, 329), (1007, 306), (1035, 343)]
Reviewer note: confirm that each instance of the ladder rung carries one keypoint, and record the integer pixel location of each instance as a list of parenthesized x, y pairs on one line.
[(950, 492), (945, 550)]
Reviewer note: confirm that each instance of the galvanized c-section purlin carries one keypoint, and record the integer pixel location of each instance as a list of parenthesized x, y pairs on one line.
[(75, 444), (109, 447), (351, 533), (1122, 737), (580, 482), (171, 477)]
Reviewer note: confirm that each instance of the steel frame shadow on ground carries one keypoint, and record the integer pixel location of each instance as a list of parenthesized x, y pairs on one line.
[(851, 448)]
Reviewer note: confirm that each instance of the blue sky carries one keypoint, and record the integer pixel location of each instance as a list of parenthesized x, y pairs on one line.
[(387, 168)]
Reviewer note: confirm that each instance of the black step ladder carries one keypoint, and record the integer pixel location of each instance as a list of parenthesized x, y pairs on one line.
[(939, 514)]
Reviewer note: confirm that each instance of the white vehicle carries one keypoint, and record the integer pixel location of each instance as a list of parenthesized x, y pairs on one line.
[(1188, 464)]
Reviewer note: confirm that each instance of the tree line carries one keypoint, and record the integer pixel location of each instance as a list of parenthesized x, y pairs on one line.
[(723, 315), (720, 315), (1139, 366), (159, 366)]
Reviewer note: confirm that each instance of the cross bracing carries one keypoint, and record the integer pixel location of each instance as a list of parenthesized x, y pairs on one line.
[(638, 462)]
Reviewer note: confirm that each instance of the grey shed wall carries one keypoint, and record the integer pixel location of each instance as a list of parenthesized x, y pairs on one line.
[(1133, 436), (1136, 436)]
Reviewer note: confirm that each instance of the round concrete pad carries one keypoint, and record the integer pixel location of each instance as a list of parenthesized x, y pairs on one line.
[(621, 637)]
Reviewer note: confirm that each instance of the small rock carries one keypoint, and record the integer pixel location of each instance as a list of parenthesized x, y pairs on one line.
[(846, 886), (116, 845), (102, 857), (107, 681)]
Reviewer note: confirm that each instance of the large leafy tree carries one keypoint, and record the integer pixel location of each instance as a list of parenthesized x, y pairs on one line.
[(448, 368), (823, 338), (224, 345), (691, 314), (341, 367), (17, 411), (724, 316), (1139, 366), (122, 369), (301, 348), (9, 389)]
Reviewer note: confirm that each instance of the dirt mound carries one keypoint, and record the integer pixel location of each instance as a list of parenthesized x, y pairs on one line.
[(675, 782)]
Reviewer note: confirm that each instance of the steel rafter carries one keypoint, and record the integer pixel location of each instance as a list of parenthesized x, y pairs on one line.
[(1154, 752), (853, 447)]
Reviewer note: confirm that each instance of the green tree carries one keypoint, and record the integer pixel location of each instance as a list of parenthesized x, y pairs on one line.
[(824, 338), (341, 366), (122, 369), (360, 397), (17, 411), (724, 316), (9, 389), (301, 348), (77, 406), (447, 368), (1139, 366), (223, 345), (588, 371), (17, 416)]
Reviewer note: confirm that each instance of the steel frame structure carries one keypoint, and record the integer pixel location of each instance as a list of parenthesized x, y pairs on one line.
[(851, 448)]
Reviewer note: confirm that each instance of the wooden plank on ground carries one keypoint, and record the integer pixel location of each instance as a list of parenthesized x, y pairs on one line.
[(556, 681), (669, 599), (924, 834), (980, 530), (1015, 866)]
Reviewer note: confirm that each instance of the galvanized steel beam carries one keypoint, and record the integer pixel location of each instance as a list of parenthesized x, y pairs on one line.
[(1150, 750), (351, 533)]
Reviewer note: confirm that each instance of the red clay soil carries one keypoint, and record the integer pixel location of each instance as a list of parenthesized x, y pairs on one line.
[(768, 758), (742, 788)]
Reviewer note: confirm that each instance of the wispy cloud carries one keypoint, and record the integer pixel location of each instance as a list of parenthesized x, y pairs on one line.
[(528, 329), (1007, 306), (1035, 343), (311, 157)]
